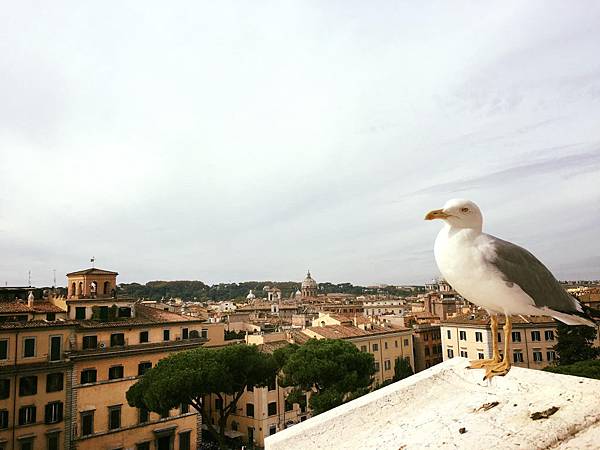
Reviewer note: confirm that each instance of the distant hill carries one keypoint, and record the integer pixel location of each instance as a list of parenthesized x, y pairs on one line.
[(190, 290)]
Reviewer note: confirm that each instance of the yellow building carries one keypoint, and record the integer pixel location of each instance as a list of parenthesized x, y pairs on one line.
[(531, 342), (64, 375)]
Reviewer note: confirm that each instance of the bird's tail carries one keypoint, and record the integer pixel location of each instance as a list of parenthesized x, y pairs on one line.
[(575, 319)]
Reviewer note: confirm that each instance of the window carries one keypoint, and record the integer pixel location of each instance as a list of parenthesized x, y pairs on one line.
[(550, 355), (449, 334), (26, 444), (29, 347), (464, 354), (50, 317), (518, 356), (185, 440), (363, 348), (4, 349), (396, 344), (3, 419), (88, 376), (143, 415), (80, 312), (376, 366), (115, 372), (375, 347), (406, 342), (90, 342), (204, 333), (479, 355), (499, 337), (87, 423), (194, 334), (124, 311), (27, 415), (143, 337), (184, 409), (272, 429), (272, 408), (28, 385), (535, 336), (4, 388), (450, 353), (117, 340), (537, 355), (516, 336), (249, 409), (52, 441), (144, 367), (549, 335), (462, 335), (55, 346), (478, 336), (144, 446), (114, 417), (166, 335), (54, 412), (185, 334), (385, 345), (54, 382), (387, 364)]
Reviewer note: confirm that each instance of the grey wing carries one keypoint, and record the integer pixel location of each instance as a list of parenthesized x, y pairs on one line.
[(519, 266)]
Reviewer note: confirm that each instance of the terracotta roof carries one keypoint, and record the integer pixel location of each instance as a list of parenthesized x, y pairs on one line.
[(19, 307), (299, 337), (270, 347), (92, 271), (484, 319), (37, 324), (158, 315)]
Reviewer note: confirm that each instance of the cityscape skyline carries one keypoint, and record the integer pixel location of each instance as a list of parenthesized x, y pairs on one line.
[(236, 142)]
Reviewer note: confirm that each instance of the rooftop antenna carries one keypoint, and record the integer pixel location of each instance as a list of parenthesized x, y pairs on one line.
[(93, 260), (29, 278), (54, 273)]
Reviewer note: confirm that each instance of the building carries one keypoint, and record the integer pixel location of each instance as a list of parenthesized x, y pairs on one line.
[(66, 364), (385, 342), (309, 287), (531, 340), (427, 342), (375, 306)]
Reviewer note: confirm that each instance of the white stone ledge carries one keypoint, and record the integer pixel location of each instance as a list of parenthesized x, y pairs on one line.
[(427, 410)]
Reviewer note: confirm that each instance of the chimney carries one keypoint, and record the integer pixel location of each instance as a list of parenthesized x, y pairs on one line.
[(30, 299)]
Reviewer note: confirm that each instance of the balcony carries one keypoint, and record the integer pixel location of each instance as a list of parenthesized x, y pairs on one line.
[(449, 406)]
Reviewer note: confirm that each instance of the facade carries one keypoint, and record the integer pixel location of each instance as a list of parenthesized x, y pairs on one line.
[(63, 377), (309, 287), (427, 344), (531, 341), (378, 306)]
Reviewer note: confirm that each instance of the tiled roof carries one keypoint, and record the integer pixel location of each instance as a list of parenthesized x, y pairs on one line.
[(484, 319), (37, 324), (38, 307), (270, 347), (350, 331), (92, 271)]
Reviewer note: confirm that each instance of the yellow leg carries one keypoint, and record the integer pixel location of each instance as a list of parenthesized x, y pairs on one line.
[(481, 363), (503, 367)]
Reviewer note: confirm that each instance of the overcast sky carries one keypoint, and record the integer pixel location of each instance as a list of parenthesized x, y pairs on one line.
[(232, 141)]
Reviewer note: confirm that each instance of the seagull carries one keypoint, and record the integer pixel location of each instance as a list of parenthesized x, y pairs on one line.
[(499, 276)]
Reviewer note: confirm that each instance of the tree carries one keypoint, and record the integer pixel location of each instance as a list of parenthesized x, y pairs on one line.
[(575, 343), (402, 369), (587, 369), (187, 377), (333, 369)]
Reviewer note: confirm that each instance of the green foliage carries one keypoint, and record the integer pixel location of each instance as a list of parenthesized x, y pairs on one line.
[(587, 369), (402, 369), (229, 335), (187, 377), (333, 369), (190, 290), (575, 343)]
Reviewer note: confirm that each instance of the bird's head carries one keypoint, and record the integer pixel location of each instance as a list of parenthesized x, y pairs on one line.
[(458, 213)]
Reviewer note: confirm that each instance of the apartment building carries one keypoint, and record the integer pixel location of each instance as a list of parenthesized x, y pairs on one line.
[(531, 340), (427, 342), (63, 378)]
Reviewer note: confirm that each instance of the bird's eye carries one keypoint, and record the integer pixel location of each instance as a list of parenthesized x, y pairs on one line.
[(464, 210)]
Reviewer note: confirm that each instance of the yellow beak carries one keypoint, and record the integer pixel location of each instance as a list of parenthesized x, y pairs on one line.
[(436, 214)]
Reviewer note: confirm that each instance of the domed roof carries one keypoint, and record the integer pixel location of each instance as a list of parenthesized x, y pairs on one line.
[(250, 296), (309, 282)]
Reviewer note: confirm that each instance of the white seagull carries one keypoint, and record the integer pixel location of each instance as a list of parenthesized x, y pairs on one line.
[(499, 276)]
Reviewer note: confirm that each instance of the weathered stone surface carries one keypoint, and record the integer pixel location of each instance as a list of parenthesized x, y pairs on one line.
[(429, 409)]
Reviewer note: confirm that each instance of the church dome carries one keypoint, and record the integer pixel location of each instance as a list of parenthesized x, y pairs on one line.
[(250, 296), (309, 282)]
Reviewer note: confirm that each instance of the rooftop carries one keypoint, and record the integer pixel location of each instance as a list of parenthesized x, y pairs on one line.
[(481, 318), (449, 406), (92, 271)]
